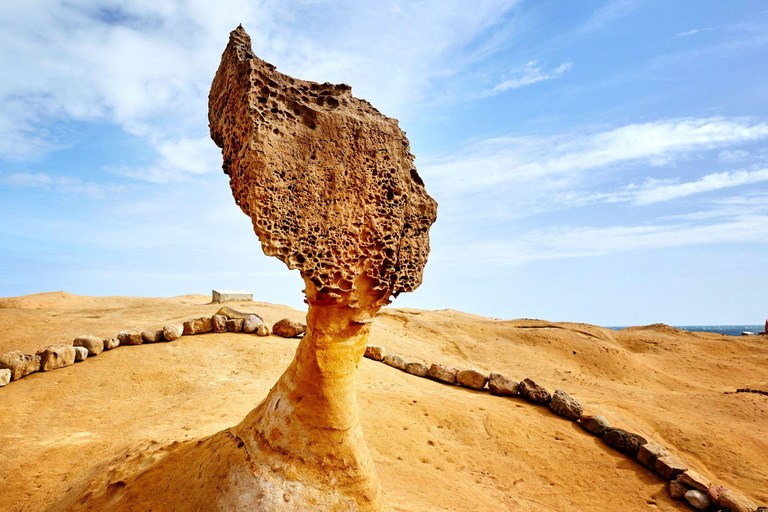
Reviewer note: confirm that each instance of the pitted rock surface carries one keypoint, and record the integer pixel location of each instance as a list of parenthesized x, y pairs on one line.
[(20, 364), (328, 181)]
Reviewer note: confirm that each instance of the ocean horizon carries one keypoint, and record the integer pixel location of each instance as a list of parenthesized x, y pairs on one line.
[(728, 330)]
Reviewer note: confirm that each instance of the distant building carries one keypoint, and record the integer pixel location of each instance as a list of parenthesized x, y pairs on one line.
[(227, 295)]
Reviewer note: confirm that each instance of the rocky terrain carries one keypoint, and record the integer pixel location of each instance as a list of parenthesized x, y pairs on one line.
[(435, 447)]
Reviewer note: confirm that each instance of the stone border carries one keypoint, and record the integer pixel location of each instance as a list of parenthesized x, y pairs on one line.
[(16, 365), (684, 484)]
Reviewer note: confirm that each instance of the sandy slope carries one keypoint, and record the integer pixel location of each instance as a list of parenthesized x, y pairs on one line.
[(436, 447)]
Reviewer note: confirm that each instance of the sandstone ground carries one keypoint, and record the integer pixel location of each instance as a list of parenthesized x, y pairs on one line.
[(436, 447)]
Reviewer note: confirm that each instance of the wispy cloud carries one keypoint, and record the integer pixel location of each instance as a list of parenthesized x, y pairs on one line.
[(488, 164), (60, 184), (656, 193), (693, 32), (581, 242), (529, 74)]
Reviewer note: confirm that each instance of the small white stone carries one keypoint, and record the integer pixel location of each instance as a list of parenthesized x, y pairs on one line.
[(5, 377), (698, 499), (81, 354)]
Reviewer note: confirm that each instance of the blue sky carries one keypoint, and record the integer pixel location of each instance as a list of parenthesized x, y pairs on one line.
[(595, 161)]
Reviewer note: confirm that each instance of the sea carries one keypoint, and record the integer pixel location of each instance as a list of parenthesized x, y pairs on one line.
[(728, 330)]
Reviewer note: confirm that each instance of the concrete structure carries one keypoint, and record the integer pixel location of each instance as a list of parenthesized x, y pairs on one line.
[(227, 295)]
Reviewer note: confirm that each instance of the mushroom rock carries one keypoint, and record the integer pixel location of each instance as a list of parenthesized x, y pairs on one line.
[(331, 189)]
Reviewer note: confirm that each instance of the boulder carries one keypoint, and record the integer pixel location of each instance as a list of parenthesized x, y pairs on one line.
[(198, 325), (375, 352), (132, 337), (19, 363), (219, 323), (735, 502), (677, 489), (94, 345), (53, 357), (648, 453), (288, 329), (695, 480), (231, 314), (263, 330), (566, 406), (595, 425), (443, 373), (698, 500), (668, 467), (499, 385), (252, 323), (623, 441), (471, 378), (416, 368), (5, 377), (395, 361), (235, 324), (173, 332), (111, 343), (152, 336), (534, 393), (81, 354)]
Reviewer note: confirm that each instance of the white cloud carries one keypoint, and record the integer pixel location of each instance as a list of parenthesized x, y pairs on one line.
[(563, 159), (692, 32), (529, 74), (737, 155), (147, 66), (655, 193), (580, 242), (60, 184)]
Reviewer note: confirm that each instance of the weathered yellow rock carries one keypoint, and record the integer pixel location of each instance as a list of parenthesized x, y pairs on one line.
[(330, 187)]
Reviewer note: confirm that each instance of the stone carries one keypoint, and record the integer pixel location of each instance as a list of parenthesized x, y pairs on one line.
[(443, 373), (623, 441), (230, 295), (499, 385), (594, 424), (677, 490), (375, 352), (251, 323), (219, 323), (81, 354), (263, 330), (200, 325), (668, 467), (698, 500), (331, 190), (231, 314), (472, 379), (416, 368), (235, 324), (132, 337), (395, 361), (111, 343), (152, 336), (715, 491), (695, 480), (288, 329), (648, 453), (5, 377), (534, 393), (53, 357), (19, 363), (566, 406), (172, 332), (94, 345), (735, 501)]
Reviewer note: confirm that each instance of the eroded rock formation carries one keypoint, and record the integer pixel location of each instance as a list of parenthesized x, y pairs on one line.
[(331, 189)]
